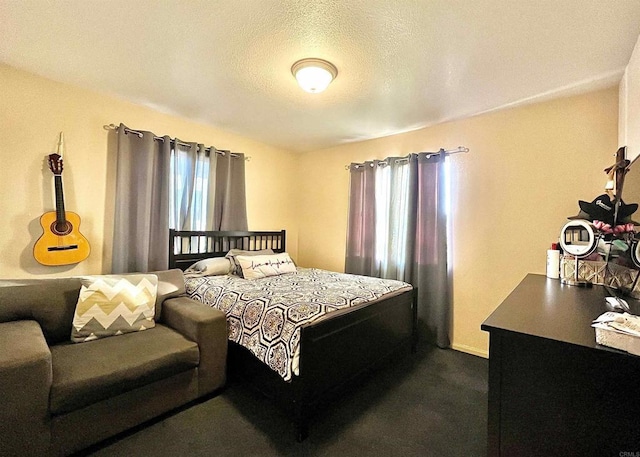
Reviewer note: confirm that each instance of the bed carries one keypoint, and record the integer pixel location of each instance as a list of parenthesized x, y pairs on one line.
[(333, 351)]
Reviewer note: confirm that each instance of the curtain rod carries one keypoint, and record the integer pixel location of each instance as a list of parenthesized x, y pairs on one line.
[(429, 154), (174, 141)]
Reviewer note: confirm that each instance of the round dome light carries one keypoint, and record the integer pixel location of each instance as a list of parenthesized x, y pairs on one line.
[(314, 75)]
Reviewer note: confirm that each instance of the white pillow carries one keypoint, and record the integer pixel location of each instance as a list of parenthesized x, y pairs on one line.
[(261, 266), (209, 267), (236, 269)]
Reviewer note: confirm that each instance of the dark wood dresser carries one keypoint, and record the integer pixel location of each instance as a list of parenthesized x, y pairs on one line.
[(552, 390)]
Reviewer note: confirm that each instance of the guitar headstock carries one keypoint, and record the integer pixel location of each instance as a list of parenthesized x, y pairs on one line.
[(55, 164)]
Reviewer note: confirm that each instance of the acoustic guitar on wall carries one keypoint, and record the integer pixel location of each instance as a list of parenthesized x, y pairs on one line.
[(61, 243)]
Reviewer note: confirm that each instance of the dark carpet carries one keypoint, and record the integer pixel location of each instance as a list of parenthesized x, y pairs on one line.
[(431, 403)]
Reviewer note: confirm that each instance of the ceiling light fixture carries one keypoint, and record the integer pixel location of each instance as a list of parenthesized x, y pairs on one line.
[(314, 75)]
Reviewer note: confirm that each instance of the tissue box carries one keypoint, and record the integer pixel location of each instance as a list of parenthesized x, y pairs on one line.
[(618, 340)]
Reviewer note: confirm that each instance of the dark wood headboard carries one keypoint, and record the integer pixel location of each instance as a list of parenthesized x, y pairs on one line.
[(187, 247)]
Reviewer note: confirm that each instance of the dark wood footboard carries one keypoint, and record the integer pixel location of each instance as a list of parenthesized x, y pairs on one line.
[(335, 352)]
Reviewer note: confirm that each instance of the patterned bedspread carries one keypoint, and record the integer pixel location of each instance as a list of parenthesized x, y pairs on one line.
[(265, 315)]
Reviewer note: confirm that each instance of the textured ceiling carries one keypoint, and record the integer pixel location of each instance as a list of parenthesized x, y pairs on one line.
[(402, 64)]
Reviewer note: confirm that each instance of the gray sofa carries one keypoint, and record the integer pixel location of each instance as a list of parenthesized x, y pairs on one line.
[(59, 397)]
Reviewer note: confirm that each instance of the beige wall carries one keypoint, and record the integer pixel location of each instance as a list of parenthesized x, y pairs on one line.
[(526, 169), (34, 110)]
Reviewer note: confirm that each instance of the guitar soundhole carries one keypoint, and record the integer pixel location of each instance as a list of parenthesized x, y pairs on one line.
[(61, 229)]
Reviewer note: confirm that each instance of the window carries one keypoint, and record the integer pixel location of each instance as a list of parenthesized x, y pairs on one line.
[(398, 230), (392, 216), (189, 181)]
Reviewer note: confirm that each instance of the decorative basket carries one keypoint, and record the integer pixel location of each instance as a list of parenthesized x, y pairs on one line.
[(598, 272)]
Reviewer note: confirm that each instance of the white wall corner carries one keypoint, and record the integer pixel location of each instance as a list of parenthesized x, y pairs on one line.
[(622, 111), (629, 105)]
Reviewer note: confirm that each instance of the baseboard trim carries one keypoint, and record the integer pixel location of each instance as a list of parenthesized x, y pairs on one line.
[(470, 350)]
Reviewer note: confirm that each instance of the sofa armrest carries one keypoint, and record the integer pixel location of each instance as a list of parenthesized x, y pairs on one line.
[(206, 326), (25, 382)]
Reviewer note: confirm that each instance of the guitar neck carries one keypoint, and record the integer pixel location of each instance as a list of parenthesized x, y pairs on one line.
[(60, 213)]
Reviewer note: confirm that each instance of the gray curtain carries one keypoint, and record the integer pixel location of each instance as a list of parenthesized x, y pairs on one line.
[(141, 229), (361, 229), (398, 230), (230, 207), (210, 195)]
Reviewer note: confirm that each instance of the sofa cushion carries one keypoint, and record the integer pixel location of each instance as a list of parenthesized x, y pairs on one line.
[(96, 370), (111, 305), (50, 302)]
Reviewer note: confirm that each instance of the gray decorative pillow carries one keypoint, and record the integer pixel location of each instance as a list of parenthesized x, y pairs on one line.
[(111, 305), (209, 267), (236, 269)]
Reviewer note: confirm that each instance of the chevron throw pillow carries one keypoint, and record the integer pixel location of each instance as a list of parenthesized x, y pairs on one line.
[(113, 305)]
